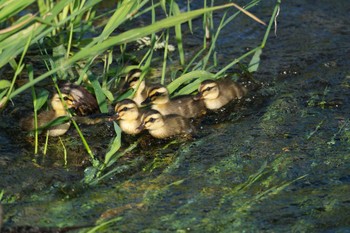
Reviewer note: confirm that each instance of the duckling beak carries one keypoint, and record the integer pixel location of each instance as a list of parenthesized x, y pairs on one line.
[(114, 117), (146, 101), (141, 127), (198, 96)]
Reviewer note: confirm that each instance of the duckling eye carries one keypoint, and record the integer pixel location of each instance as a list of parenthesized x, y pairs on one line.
[(124, 109), (66, 98), (151, 120), (134, 80), (157, 94)]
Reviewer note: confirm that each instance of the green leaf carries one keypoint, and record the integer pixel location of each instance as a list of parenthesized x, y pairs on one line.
[(125, 95), (41, 97), (189, 77), (101, 98), (12, 7), (90, 174), (2, 94), (178, 35), (108, 94), (114, 147), (59, 58), (254, 63), (4, 84), (119, 16)]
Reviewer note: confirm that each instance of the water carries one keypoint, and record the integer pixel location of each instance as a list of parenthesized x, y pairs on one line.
[(279, 163)]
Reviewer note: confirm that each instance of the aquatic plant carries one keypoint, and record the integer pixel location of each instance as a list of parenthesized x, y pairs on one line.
[(73, 37)]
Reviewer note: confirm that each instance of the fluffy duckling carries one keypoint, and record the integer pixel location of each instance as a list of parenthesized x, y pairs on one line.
[(217, 93), (58, 110), (128, 116), (186, 106), (132, 80), (84, 103), (161, 127)]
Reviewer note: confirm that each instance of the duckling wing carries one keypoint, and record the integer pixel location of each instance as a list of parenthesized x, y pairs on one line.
[(179, 124), (188, 107), (238, 90), (27, 123), (231, 90)]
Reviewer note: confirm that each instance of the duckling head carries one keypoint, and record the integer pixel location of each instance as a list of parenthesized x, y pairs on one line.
[(158, 94), (58, 110), (132, 79), (151, 120), (126, 110), (58, 106), (209, 89)]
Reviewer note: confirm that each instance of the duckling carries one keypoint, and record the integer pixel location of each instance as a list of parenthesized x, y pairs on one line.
[(217, 93), (133, 81), (84, 103), (161, 127), (186, 105), (128, 116), (58, 110)]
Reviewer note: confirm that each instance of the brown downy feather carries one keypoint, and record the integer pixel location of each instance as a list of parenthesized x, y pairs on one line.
[(186, 105)]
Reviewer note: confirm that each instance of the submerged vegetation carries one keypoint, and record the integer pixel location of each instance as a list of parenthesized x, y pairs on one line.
[(73, 38)]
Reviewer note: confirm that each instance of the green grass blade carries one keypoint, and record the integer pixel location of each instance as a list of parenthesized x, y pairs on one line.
[(254, 63), (19, 68), (119, 16), (101, 98), (165, 57), (10, 8), (36, 133), (235, 61), (197, 74), (190, 21), (272, 20), (42, 96), (178, 34), (114, 147)]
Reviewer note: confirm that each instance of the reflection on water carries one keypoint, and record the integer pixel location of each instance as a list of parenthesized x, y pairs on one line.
[(277, 162)]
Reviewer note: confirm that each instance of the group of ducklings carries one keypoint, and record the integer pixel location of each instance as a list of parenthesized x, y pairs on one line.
[(170, 116), (165, 118)]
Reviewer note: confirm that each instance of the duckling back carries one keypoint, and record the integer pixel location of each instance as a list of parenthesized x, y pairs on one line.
[(160, 126), (231, 90), (185, 106), (217, 93)]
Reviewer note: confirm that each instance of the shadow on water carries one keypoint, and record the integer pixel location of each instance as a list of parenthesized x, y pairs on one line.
[(279, 161)]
